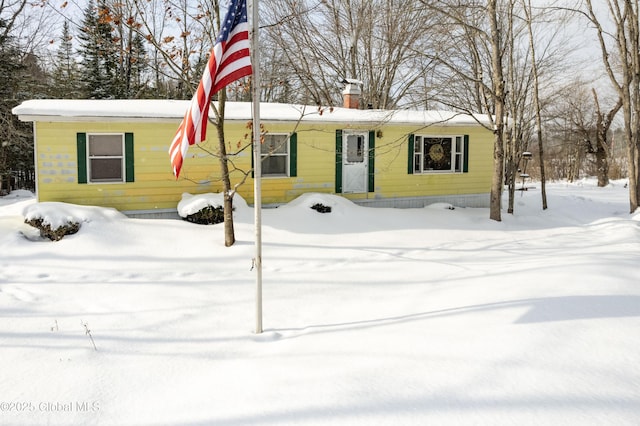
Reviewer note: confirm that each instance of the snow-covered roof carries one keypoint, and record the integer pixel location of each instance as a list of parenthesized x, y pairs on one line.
[(162, 110)]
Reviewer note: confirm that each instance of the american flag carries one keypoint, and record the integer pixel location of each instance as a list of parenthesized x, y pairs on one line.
[(229, 61)]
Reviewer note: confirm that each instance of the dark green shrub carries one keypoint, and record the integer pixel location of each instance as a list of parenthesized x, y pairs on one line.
[(207, 216), (54, 234), (321, 208)]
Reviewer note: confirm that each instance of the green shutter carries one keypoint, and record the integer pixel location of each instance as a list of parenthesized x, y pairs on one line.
[(465, 161), (81, 140), (293, 155), (410, 165), (372, 161), (128, 157), (338, 161)]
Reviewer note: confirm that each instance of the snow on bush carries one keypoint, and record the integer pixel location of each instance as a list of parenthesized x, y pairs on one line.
[(55, 219), (53, 233), (330, 201), (191, 204), (207, 208), (440, 206), (321, 208)]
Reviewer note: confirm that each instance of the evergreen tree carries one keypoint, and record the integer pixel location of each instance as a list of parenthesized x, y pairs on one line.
[(97, 53), (9, 65), (114, 60), (132, 66), (65, 83), (16, 145), (139, 65)]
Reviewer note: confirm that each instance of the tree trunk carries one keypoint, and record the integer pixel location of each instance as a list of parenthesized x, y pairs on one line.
[(543, 175), (631, 9), (510, 178), (575, 163), (634, 187), (603, 150), (536, 101), (602, 167), (515, 115), (626, 35), (632, 161), (229, 232), (498, 132)]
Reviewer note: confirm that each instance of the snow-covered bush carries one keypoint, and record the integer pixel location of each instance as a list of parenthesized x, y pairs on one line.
[(56, 219), (321, 208), (208, 215), (204, 209), (54, 233)]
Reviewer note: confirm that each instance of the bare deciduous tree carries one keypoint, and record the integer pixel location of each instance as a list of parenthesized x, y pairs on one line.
[(528, 45), (624, 75), (498, 96), (23, 35), (536, 98), (377, 42), (184, 58), (601, 147), (472, 74), (580, 133)]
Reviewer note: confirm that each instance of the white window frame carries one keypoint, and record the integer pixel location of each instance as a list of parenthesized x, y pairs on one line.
[(287, 155), (121, 157), (457, 154)]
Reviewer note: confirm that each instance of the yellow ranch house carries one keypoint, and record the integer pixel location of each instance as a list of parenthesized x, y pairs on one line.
[(114, 153)]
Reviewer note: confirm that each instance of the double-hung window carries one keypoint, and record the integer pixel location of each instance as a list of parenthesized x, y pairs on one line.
[(105, 157), (278, 152), (438, 154)]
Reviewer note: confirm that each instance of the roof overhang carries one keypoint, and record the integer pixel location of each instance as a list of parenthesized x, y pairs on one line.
[(147, 110)]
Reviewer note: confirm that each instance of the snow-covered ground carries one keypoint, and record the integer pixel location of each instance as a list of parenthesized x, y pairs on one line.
[(372, 316)]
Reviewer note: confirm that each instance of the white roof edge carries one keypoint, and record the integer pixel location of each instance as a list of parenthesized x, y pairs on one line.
[(173, 110)]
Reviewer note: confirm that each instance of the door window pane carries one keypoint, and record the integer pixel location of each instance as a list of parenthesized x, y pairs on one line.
[(355, 148)]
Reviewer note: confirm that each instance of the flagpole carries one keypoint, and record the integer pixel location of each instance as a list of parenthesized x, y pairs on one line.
[(257, 160)]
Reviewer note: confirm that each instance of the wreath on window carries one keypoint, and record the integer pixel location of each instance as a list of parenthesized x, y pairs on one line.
[(436, 152)]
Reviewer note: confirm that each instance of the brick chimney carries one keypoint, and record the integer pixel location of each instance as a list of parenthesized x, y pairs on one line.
[(351, 93)]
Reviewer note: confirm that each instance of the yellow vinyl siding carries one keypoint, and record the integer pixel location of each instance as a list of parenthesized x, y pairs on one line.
[(393, 179), (315, 165), (155, 187)]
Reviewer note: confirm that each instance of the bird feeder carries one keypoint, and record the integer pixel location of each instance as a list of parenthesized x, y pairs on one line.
[(526, 156)]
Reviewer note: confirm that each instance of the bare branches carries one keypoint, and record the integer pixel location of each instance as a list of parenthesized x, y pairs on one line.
[(378, 42), (625, 77), (10, 13)]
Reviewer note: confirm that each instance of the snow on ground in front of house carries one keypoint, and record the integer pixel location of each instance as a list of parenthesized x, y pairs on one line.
[(371, 316)]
